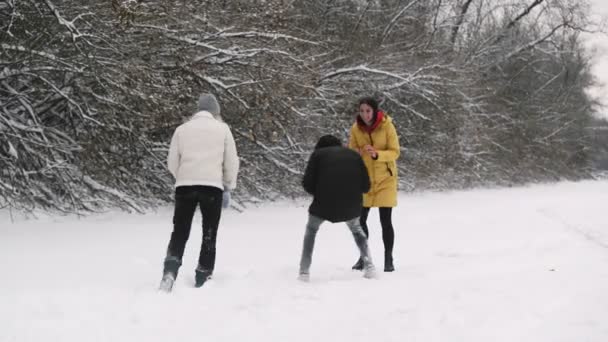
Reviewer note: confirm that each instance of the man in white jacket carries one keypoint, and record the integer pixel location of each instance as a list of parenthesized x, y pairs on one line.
[(203, 160)]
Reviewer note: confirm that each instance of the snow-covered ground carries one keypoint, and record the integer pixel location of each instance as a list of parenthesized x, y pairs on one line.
[(524, 264)]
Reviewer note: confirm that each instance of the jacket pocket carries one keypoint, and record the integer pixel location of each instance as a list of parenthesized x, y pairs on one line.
[(389, 169)]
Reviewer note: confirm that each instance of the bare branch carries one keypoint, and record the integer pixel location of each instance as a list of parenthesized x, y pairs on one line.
[(394, 20), (460, 20)]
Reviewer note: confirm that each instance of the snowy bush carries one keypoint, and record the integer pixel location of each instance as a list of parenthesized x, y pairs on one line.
[(481, 92)]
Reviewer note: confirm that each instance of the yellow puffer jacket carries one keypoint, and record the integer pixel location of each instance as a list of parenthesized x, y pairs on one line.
[(383, 170)]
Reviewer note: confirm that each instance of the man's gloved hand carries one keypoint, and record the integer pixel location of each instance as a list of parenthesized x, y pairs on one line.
[(226, 199)]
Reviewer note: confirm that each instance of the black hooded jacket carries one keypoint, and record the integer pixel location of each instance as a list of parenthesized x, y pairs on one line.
[(337, 178)]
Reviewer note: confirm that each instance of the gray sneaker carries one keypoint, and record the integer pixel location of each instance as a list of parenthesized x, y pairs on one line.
[(166, 284), (304, 277), (369, 271)]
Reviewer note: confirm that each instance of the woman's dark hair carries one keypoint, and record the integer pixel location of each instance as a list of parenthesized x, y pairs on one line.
[(370, 101)]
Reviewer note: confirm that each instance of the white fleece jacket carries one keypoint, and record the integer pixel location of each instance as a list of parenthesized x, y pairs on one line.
[(203, 152)]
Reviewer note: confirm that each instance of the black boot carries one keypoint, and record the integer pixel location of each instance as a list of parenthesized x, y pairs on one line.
[(388, 263), (201, 277), (358, 266)]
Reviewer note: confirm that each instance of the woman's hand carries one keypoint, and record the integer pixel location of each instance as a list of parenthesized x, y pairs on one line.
[(369, 149)]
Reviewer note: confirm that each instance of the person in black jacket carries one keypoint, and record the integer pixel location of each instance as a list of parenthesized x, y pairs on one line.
[(337, 178)]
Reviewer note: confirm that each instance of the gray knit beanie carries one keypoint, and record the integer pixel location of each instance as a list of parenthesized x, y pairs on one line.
[(208, 102)]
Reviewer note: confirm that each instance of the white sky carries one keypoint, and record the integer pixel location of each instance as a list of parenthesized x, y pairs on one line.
[(599, 42)]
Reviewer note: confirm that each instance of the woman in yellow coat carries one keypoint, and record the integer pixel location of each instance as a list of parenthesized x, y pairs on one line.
[(374, 136)]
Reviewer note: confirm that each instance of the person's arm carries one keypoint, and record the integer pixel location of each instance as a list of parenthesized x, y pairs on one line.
[(231, 161), (173, 156), (309, 181), (392, 147)]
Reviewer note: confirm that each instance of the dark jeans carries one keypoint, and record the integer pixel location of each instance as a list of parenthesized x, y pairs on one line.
[(388, 233), (187, 198)]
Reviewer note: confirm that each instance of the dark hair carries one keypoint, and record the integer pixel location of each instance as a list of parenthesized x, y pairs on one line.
[(370, 101), (327, 141)]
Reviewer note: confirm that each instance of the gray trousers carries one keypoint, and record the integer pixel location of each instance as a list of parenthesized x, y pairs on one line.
[(312, 227)]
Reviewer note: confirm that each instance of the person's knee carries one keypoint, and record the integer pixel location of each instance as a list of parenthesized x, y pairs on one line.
[(182, 222), (208, 247), (385, 220), (312, 230), (209, 240), (182, 234), (360, 236), (313, 225), (357, 230)]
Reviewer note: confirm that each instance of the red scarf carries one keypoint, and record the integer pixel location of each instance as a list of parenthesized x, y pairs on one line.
[(370, 128)]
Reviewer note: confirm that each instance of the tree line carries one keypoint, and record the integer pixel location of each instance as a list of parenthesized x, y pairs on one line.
[(483, 92)]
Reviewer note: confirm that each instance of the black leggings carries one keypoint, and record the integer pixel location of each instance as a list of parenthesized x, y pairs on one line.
[(388, 233)]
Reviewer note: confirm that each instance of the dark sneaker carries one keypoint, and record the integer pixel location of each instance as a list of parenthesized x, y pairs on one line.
[(201, 277), (358, 266)]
